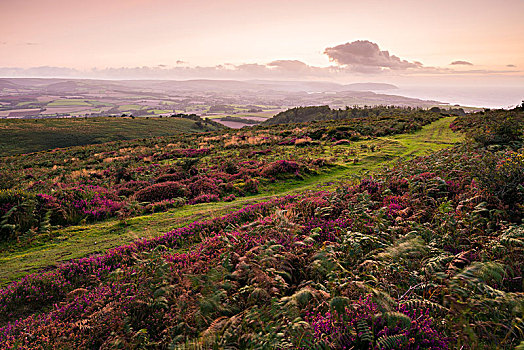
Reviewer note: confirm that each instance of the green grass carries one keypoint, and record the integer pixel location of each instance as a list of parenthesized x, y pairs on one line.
[(160, 111), (79, 241), (22, 104), (19, 136), (129, 107)]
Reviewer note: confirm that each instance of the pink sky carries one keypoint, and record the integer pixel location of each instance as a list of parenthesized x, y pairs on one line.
[(135, 33)]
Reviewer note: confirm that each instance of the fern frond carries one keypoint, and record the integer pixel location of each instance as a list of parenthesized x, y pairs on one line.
[(436, 264), (45, 225), (414, 247), (418, 304), (364, 331), (395, 318), (397, 341)]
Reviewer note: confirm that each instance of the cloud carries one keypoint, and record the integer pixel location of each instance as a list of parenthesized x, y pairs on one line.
[(366, 56), (251, 68), (461, 63), (289, 65), (511, 65), (31, 44), (3, 42), (358, 58), (483, 71)]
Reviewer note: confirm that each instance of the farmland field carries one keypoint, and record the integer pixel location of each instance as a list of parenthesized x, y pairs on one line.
[(43, 98)]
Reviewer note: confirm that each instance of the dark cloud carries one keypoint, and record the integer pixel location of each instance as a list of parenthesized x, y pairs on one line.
[(181, 62), (511, 65), (461, 63), (366, 56), (31, 44)]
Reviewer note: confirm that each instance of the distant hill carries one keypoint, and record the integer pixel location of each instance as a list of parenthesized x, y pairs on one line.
[(63, 86), (5, 84), (85, 97), (263, 85), (370, 86)]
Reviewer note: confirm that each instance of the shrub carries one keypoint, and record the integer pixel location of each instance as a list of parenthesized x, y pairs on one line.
[(280, 167), (493, 127), (161, 191), (129, 188), (164, 205), (7, 180), (203, 185), (170, 177), (205, 198), (229, 198), (19, 219), (11, 198), (503, 175), (251, 186)]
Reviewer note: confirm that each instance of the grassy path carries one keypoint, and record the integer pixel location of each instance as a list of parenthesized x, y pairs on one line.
[(79, 241)]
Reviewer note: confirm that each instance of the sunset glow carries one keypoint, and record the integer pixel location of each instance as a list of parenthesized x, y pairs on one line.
[(486, 36)]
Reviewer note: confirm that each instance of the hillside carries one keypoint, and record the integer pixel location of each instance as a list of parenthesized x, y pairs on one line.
[(385, 231), (19, 136)]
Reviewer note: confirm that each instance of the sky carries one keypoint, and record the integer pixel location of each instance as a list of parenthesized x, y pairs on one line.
[(403, 41)]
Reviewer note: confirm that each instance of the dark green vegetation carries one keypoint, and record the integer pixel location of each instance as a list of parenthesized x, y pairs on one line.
[(496, 128), (19, 136), (377, 114), (240, 120), (424, 254)]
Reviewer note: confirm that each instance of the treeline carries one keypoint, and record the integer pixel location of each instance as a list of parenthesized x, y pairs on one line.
[(240, 120), (316, 113), (199, 120)]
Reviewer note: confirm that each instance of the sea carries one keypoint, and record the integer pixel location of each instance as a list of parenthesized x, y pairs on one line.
[(474, 96)]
